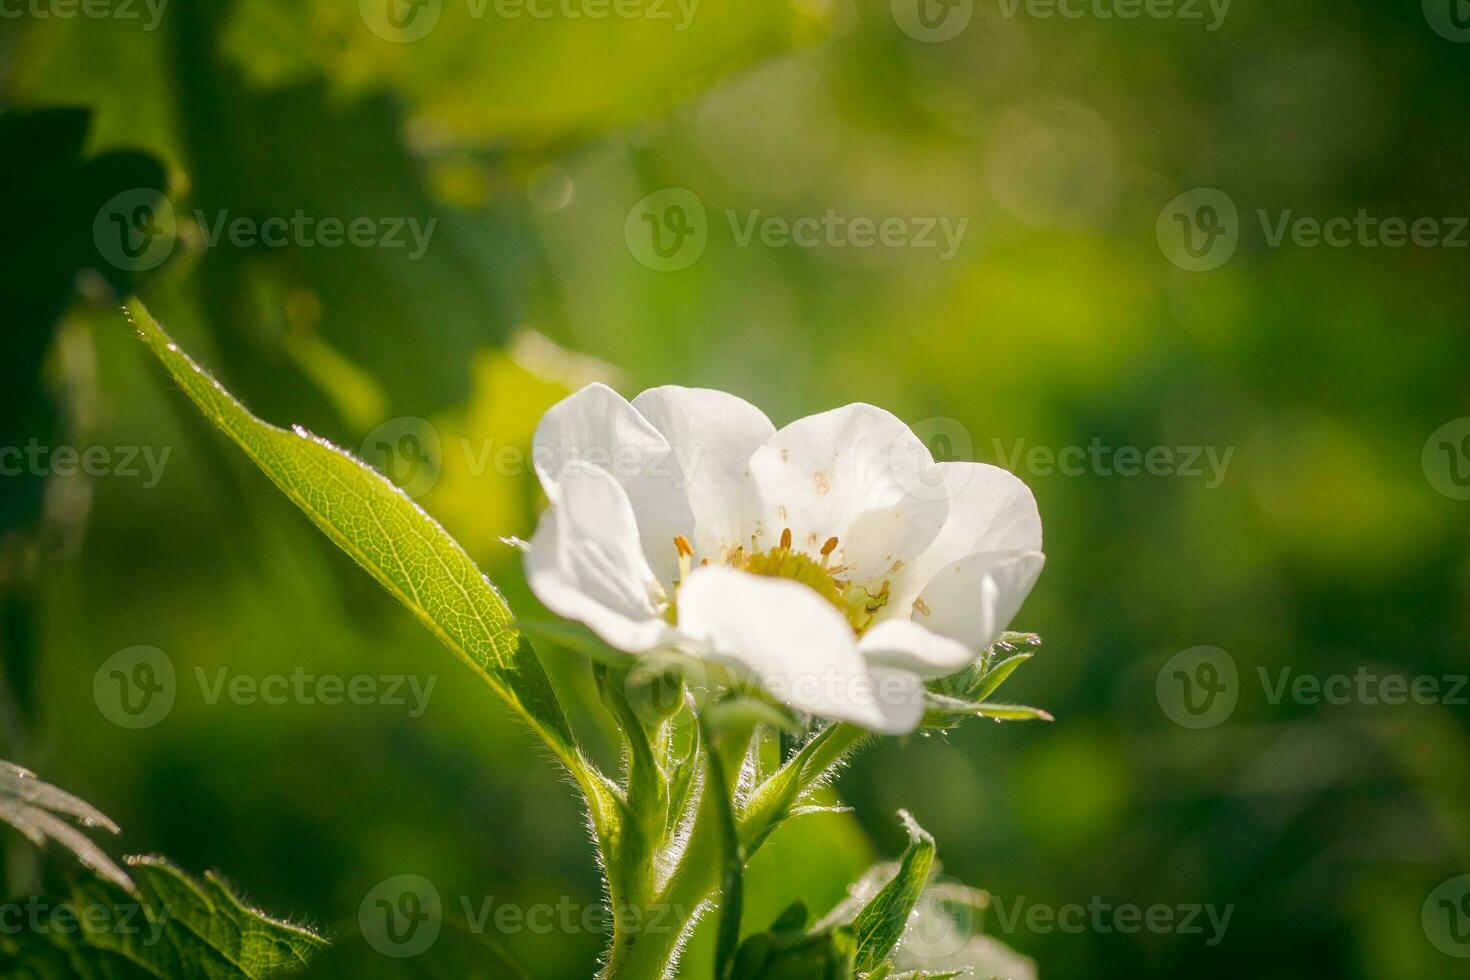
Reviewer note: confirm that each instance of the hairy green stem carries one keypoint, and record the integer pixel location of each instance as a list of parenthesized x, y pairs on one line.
[(650, 952)]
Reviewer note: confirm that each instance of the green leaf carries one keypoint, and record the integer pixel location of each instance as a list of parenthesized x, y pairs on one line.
[(518, 79), (402, 547), (996, 676), (881, 923), (175, 926), (946, 712), (773, 800), (36, 809)]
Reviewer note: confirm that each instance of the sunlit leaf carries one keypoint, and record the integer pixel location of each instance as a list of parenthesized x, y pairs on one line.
[(175, 926), (402, 547), (881, 923)]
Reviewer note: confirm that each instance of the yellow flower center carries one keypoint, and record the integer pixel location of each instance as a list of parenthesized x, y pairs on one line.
[(856, 603)]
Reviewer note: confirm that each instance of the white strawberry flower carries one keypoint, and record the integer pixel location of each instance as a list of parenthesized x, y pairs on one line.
[(832, 561)]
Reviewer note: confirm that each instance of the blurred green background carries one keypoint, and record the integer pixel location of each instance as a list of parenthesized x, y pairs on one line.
[(1327, 545)]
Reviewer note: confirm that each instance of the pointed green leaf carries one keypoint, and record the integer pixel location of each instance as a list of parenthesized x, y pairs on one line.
[(881, 923), (397, 543), (176, 926), (996, 676), (946, 712)]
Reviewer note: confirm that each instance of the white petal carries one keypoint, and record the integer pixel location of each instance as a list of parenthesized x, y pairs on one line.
[(597, 425), (990, 510), (905, 644), (797, 646), (586, 562), (712, 435), (849, 473), (974, 599)]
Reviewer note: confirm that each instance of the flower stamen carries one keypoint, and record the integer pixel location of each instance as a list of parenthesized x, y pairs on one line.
[(686, 554), (786, 539)]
